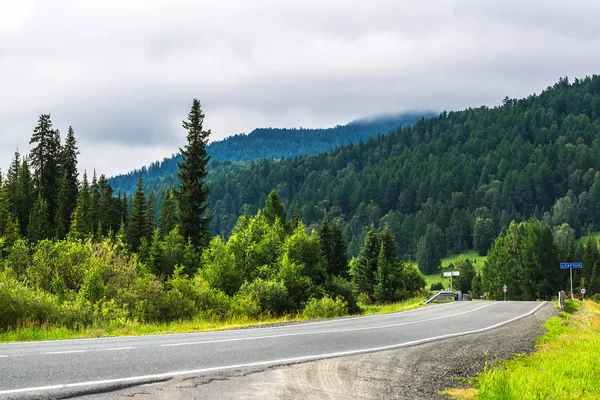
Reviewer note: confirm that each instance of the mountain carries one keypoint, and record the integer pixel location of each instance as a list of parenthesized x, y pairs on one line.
[(274, 143), (447, 181)]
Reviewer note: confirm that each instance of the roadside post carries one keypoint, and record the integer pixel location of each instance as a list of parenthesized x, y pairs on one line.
[(570, 266), (451, 274), (505, 289), (583, 294)]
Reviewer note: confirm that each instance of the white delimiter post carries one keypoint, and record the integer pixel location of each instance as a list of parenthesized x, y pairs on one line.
[(571, 269)]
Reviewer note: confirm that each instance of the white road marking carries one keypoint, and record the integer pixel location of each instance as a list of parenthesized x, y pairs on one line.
[(368, 328), (118, 348), (67, 352), (258, 326), (262, 363)]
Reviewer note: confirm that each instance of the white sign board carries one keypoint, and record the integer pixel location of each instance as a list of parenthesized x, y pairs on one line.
[(582, 291), (453, 273)]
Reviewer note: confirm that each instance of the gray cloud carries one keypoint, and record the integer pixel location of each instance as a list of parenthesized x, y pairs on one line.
[(123, 73)]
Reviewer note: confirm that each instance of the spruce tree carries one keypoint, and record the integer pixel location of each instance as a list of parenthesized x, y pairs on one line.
[(81, 221), (25, 190), (325, 239), (11, 184), (4, 212), (109, 215), (40, 226), (168, 214), (388, 279), (296, 220), (68, 186), (95, 203), (192, 195), (150, 216), (45, 159), (274, 209), (339, 252), (363, 275), (137, 222)]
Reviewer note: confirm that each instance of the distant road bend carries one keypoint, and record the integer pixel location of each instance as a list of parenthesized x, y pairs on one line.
[(95, 365)]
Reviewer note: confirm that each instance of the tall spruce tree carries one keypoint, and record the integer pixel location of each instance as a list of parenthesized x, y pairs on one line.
[(25, 190), (11, 183), (365, 267), (40, 226), (68, 186), (168, 214), (137, 222), (45, 159), (81, 220), (339, 251), (388, 269), (274, 209), (326, 242), (192, 195), (150, 216)]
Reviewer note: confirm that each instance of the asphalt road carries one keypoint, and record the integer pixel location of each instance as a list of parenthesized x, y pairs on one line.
[(57, 368)]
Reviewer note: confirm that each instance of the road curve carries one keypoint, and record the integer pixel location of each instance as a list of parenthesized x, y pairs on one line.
[(42, 368)]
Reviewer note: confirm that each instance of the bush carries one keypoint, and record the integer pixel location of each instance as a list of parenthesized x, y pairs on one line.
[(437, 286), (339, 287), (263, 297), (325, 307)]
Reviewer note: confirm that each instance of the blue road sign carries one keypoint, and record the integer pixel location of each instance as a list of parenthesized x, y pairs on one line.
[(570, 265)]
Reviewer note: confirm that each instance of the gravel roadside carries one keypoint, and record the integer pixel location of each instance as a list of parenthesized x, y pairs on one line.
[(417, 372)]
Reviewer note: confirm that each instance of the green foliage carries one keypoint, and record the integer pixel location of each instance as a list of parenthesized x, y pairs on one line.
[(219, 269), (437, 286), (464, 281), (262, 297), (430, 250), (525, 258), (325, 307), (137, 223), (483, 235)]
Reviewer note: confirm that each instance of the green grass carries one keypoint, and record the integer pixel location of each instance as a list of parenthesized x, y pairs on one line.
[(471, 255), (37, 333), (409, 304), (565, 365)]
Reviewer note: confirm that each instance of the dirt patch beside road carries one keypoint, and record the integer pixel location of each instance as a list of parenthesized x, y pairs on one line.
[(417, 372)]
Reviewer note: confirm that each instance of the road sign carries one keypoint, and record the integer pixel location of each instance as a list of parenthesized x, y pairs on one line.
[(569, 265), (505, 288), (452, 273), (582, 290)]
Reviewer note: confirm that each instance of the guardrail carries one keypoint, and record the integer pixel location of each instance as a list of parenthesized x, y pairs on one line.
[(441, 297)]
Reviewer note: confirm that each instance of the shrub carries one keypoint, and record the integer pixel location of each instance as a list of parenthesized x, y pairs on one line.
[(325, 307), (339, 287), (437, 286), (269, 296)]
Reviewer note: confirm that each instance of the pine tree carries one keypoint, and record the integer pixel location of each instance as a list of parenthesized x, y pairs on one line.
[(68, 186), (11, 184), (150, 216), (168, 214), (591, 257), (137, 223), (45, 159), (155, 258), (388, 269), (81, 221), (274, 209), (95, 202), (325, 238), (4, 212), (363, 275), (26, 196), (339, 252), (296, 220), (40, 226), (192, 196)]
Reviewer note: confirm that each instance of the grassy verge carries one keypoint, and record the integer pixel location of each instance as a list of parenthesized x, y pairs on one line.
[(472, 255), (37, 333), (565, 365)]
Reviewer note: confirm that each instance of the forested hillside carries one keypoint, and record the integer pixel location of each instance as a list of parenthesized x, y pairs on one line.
[(447, 183), (273, 143)]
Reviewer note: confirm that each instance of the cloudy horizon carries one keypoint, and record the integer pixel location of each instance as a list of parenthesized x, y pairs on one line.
[(123, 73)]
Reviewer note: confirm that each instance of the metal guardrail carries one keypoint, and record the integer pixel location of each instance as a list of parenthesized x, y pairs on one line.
[(440, 297), (448, 296)]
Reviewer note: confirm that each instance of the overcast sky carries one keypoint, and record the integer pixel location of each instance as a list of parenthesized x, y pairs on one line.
[(123, 73)]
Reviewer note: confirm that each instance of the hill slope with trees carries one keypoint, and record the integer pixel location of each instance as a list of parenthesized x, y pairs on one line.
[(272, 143)]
